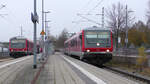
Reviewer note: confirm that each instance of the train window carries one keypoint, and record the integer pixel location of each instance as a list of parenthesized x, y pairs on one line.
[(97, 35), (91, 35), (66, 45), (71, 43), (18, 44), (103, 35), (76, 42), (17, 41)]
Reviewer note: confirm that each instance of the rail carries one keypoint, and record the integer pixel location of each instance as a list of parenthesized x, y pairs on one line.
[(134, 75)]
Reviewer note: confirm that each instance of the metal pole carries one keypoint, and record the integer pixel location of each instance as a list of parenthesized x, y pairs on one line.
[(103, 17), (21, 30), (45, 26), (46, 35), (43, 29), (126, 40), (35, 56)]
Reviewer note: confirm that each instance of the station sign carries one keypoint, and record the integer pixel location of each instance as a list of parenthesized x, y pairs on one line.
[(34, 18), (42, 32)]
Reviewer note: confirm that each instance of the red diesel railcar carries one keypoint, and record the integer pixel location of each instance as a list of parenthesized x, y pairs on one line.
[(20, 46), (92, 44)]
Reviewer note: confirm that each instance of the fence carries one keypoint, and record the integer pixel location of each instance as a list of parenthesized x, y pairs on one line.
[(4, 52)]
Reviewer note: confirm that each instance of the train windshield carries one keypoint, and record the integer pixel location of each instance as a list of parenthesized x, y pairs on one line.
[(97, 39), (17, 43)]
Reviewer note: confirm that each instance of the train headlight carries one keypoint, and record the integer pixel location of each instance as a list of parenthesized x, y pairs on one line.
[(97, 44), (88, 50), (107, 51)]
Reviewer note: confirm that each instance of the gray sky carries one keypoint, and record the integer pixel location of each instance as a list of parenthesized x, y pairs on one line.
[(63, 12)]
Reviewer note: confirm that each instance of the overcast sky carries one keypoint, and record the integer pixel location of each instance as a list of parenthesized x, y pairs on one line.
[(63, 13)]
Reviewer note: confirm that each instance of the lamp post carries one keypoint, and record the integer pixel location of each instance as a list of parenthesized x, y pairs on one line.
[(46, 23), (43, 29), (34, 18)]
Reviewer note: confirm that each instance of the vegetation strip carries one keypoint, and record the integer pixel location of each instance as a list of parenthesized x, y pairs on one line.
[(139, 77)]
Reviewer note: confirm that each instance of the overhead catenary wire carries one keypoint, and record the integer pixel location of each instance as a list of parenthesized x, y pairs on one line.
[(87, 4), (82, 8), (88, 13), (88, 19), (95, 6), (12, 18)]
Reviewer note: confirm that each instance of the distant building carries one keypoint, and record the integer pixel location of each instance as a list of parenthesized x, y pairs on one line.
[(1, 45), (5, 44)]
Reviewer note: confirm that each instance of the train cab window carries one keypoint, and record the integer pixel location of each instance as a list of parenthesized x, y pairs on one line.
[(91, 35), (103, 35), (18, 43)]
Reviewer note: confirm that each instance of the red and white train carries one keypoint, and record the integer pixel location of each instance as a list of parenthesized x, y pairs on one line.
[(93, 44), (20, 46)]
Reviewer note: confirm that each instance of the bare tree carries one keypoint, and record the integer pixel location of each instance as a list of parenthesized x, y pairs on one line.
[(148, 14), (116, 16), (117, 19), (61, 39)]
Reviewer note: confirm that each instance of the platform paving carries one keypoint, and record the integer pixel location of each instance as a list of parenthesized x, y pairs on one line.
[(57, 70), (9, 70)]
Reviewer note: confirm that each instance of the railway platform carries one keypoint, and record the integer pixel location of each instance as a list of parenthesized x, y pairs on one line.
[(58, 69)]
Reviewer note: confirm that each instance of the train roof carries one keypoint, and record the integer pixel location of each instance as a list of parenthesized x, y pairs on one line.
[(86, 29), (96, 28), (20, 37)]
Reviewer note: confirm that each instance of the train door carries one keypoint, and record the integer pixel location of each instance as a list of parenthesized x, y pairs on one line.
[(70, 47), (27, 47), (80, 36)]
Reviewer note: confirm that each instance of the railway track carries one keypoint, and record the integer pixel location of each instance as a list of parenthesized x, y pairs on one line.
[(6, 59), (133, 75)]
